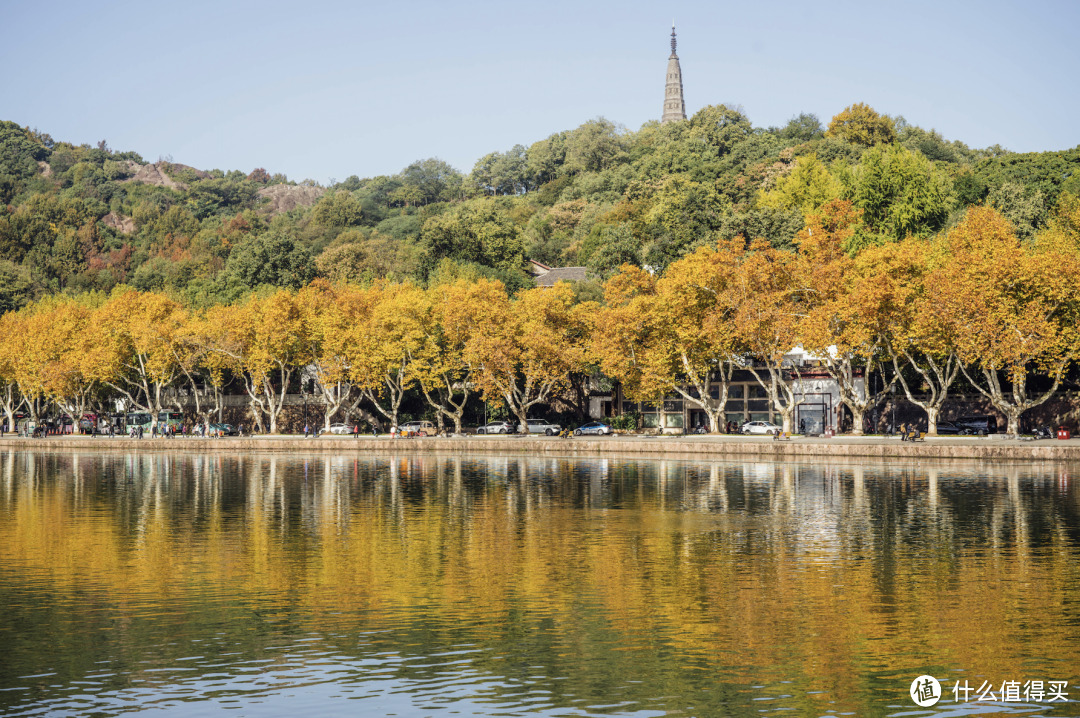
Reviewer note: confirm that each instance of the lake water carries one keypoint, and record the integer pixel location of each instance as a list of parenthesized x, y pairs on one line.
[(264, 585)]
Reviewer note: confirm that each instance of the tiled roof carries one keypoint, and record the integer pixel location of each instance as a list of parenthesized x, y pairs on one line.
[(538, 268), (569, 274)]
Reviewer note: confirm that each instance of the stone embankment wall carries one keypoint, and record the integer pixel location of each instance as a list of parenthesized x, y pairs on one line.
[(982, 449)]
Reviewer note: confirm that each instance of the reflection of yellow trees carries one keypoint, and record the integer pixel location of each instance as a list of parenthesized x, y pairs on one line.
[(824, 576)]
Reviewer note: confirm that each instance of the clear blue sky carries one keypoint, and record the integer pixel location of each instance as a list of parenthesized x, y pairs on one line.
[(325, 90)]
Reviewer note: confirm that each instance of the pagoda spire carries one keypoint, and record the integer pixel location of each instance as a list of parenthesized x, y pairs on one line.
[(674, 104)]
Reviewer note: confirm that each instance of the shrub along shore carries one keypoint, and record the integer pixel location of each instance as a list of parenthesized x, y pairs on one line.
[(675, 446)]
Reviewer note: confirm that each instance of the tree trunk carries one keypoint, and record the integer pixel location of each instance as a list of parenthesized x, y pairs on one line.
[(776, 386), (395, 388), (334, 396), (938, 379), (9, 405), (446, 399), (858, 420), (1020, 401), (931, 419)]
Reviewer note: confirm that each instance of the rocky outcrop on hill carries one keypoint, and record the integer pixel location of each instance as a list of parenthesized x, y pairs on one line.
[(155, 174), (119, 222), (284, 197)]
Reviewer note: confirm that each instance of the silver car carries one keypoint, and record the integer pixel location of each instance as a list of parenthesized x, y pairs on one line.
[(539, 426), (593, 427), (495, 427)]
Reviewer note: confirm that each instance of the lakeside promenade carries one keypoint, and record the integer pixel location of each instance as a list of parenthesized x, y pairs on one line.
[(982, 448)]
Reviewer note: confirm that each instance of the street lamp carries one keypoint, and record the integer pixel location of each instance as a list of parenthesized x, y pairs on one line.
[(303, 393), (892, 400)]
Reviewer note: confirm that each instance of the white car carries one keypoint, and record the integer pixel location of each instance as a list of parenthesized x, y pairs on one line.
[(760, 427), (539, 426)]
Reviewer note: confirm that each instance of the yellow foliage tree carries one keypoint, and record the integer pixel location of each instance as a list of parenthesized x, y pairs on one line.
[(1011, 308), (138, 334), (386, 340), (461, 311), (767, 300), (673, 336), (807, 187), (11, 337), (915, 335), (848, 309), (330, 312), (531, 346), (265, 338)]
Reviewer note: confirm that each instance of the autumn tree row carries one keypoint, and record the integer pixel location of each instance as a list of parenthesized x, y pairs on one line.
[(359, 345), (978, 302)]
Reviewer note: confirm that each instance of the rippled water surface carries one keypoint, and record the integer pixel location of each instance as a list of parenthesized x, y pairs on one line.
[(429, 585)]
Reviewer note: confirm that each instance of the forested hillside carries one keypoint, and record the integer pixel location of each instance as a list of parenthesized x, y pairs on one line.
[(75, 218)]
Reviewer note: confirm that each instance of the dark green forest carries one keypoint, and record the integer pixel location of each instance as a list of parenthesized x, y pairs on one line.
[(86, 217)]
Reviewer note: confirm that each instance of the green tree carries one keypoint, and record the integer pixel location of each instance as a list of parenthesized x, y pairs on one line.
[(861, 125), (545, 159), (596, 145), (900, 192), (720, 127), (480, 231), (802, 128), (434, 178), (273, 259), (338, 209)]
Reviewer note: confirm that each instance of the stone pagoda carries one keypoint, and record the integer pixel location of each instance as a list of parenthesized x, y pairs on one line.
[(674, 105)]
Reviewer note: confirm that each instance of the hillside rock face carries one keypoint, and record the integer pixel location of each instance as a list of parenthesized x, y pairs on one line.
[(285, 197), (119, 222), (154, 174)]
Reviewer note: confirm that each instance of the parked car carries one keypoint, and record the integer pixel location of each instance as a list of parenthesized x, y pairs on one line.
[(593, 427), (495, 427), (420, 428), (980, 425), (760, 427), (947, 427), (337, 429), (540, 426)]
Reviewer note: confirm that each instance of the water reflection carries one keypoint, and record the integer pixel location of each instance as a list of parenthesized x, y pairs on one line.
[(512, 585)]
